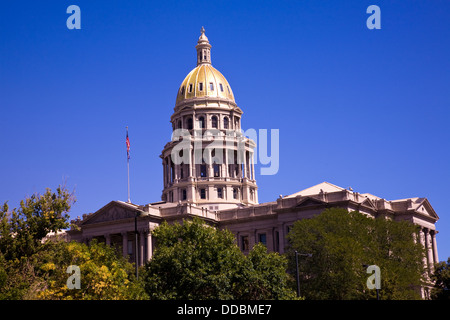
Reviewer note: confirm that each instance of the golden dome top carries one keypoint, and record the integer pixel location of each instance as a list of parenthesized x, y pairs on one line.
[(204, 80)]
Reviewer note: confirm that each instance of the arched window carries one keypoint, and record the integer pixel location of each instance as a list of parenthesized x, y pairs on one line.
[(214, 122), (189, 124), (226, 123), (201, 122)]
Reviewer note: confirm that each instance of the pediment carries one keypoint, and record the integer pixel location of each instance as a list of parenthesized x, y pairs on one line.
[(426, 209), (308, 201), (111, 212), (369, 203)]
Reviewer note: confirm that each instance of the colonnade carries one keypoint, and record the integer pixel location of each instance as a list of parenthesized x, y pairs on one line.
[(428, 241), (126, 242), (173, 173)]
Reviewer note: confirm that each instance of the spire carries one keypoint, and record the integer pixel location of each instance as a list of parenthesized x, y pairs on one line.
[(203, 49)]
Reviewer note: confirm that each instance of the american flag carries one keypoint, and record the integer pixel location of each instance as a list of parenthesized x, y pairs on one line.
[(128, 146)]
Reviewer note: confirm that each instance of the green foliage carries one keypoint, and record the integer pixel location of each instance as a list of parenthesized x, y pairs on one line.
[(266, 276), (104, 274), (196, 261), (341, 243), (22, 229), (31, 268), (441, 277), (21, 234)]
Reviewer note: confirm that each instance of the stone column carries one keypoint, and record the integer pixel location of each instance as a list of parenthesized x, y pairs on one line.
[(226, 174), (281, 237), (148, 239), (191, 162), (141, 248), (251, 238), (125, 244), (435, 251), (423, 243), (429, 252), (108, 239), (252, 166)]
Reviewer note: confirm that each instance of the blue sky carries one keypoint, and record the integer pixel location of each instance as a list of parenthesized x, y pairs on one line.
[(355, 107)]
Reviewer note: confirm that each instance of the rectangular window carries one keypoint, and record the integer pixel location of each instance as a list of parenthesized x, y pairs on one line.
[(220, 193), (183, 194), (262, 238), (200, 86), (190, 87), (202, 193), (221, 87), (211, 86), (203, 170), (244, 243), (235, 193), (216, 170)]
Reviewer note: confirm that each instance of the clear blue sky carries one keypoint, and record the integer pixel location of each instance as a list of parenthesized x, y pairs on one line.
[(355, 107)]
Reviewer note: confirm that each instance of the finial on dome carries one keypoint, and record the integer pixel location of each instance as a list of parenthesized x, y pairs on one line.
[(203, 49)]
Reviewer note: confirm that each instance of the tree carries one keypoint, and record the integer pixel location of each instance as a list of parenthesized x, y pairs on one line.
[(197, 261), (31, 268), (21, 234), (341, 242), (104, 275), (22, 229), (441, 277), (266, 276)]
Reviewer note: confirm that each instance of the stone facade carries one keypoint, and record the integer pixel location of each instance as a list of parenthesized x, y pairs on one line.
[(268, 222)]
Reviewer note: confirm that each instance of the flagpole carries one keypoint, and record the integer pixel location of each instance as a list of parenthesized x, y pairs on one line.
[(128, 166)]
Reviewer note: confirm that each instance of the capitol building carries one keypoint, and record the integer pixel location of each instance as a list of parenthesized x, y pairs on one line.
[(208, 172)]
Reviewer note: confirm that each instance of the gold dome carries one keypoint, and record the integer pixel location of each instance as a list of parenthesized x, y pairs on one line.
[(204, 80)]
